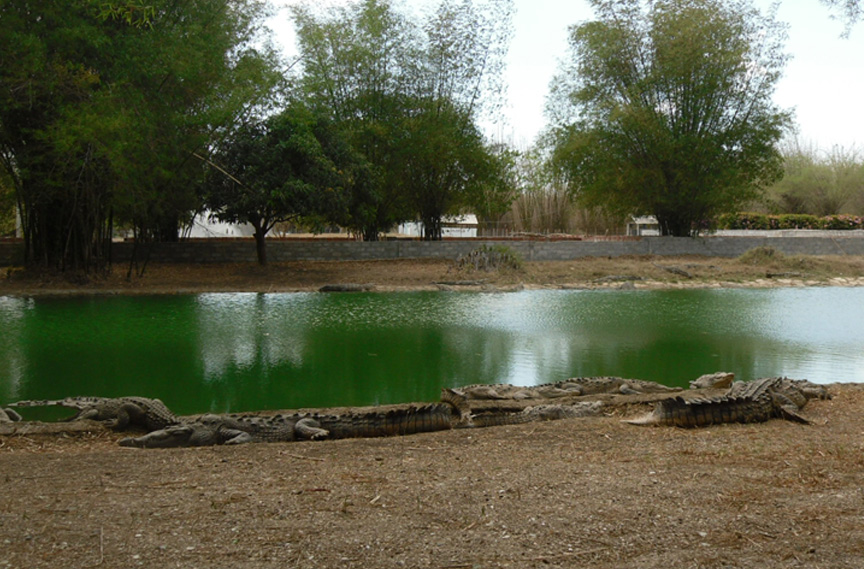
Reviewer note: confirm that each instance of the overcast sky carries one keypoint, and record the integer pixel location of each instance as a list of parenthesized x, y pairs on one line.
[(824, 81)]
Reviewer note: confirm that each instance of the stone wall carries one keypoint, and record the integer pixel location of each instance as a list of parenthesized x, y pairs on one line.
[(243, 251)]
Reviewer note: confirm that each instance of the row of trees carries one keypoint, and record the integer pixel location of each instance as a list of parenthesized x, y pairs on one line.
[(139, 114), (382, 126), (105, 107)]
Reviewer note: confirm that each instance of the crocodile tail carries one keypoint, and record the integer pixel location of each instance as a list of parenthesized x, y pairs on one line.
[(423, 419), (456, 399), (679, 412), (403, 421)]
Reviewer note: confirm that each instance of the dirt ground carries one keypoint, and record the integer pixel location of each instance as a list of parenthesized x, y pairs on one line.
[(436, 274), (590, 492)]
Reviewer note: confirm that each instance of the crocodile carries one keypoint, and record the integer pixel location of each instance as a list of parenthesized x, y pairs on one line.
[(212, 429), (551, 412), (745, 402), (119, 413), (215, 429), (572, 387)]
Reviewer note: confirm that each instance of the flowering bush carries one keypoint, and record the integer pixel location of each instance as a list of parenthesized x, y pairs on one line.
[(788, 221)]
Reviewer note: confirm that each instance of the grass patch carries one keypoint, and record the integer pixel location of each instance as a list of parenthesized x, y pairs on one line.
[(761, 256), (490, 259), (771, 258)]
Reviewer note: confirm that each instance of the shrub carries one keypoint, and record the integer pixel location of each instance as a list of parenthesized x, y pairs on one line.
[(848, 222), (788, 221), (761, 256), (490, 259), (797, 221)]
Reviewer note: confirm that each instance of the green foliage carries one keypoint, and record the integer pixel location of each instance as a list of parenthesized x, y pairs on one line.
[(788, 221), (819, 183), (668, 111), (491, 199), (7, 208), (850, 11), (408, 96), (494, 258), (132, 13), (120, 97), (441, 163), (291, 165)]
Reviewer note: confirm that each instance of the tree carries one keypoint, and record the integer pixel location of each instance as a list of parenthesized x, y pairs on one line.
[(850, 11), (392, 83), (668, 111), (817, 183), (291, 165), (103, 106), (441, 160), (354, 60), (496, 192), (446, 164)]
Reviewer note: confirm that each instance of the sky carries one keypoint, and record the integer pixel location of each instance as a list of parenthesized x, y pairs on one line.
[(823, 82)]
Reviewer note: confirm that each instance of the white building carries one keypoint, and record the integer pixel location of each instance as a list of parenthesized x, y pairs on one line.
[(205, 227), (451, 226)]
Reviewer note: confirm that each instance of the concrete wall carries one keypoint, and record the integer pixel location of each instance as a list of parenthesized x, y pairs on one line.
[(243, 251)]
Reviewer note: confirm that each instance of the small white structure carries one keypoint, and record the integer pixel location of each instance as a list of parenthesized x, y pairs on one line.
[(643, 225), (205, 227), (451, 226)]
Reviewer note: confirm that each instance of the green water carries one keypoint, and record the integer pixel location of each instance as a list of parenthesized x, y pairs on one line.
[(235, 352)]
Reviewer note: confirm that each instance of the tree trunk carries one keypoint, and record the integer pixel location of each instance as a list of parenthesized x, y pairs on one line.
[(261, 245), (432, 230), (674, 224), (371, 233)]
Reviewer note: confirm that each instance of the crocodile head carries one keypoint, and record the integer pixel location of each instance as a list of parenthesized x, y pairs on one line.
[(175, 436), (718, 380)]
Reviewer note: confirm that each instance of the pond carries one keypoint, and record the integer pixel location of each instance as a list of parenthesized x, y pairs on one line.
[(247, 351)]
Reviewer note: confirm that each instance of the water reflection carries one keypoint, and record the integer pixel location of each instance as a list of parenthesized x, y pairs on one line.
[(232, 352), (12, 361)]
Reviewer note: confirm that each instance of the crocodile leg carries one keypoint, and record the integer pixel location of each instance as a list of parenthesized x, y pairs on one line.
[(234, 436), (91, 414), (310, 429), (9, 415), (788, 408)]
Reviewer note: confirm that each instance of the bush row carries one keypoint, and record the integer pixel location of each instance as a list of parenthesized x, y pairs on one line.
[(788, 221)]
